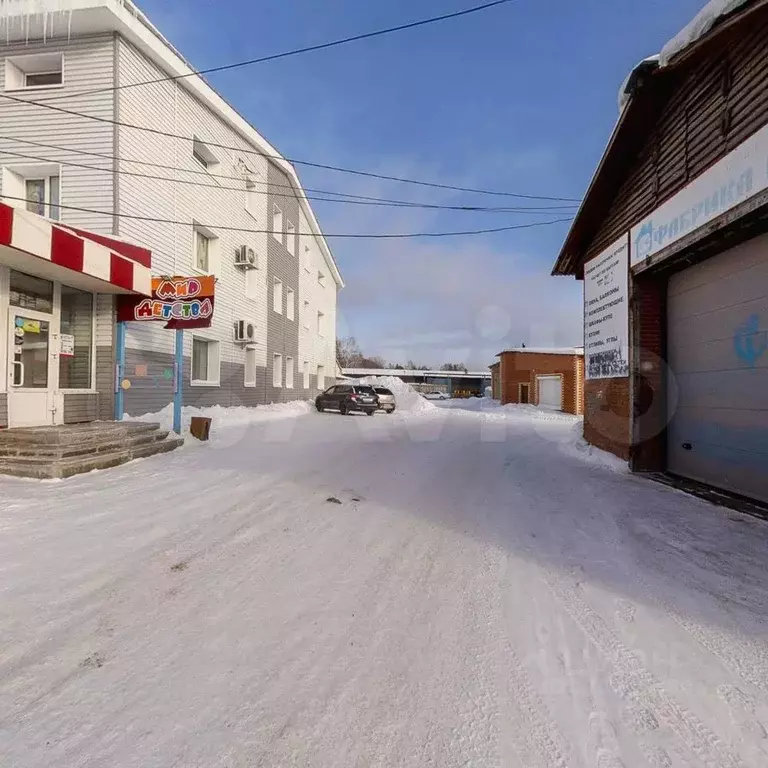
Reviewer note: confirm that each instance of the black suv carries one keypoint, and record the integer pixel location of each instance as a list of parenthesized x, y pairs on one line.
[(346, 398)]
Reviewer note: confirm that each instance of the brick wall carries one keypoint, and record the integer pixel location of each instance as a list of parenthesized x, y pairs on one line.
[(523, 367), (607, 422)]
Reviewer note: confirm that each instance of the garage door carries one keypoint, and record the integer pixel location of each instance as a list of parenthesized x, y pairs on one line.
[(718, 356), (550, 392)]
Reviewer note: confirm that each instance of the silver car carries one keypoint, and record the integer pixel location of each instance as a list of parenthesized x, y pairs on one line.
[(386, 399)]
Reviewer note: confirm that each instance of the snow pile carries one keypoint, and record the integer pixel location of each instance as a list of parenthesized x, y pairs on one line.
[(704, 20), (227, 418), (574, 444), (406, 397)]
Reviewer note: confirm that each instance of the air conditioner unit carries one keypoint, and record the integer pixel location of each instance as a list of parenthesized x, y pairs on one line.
[(245, 331), (245, 257)]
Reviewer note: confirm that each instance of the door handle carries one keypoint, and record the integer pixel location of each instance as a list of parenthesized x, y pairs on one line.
[(18, 367)]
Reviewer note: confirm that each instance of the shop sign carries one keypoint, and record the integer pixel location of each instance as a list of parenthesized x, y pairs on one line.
[(179, 302), (67, 345), (741, 174), (606, 313)]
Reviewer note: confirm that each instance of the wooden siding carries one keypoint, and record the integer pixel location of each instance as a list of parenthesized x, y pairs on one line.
[(717, 103)]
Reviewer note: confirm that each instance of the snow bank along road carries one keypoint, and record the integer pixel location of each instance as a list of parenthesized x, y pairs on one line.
[(484, 594)]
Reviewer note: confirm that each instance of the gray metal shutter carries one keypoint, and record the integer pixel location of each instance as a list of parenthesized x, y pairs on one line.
[(717, 339)]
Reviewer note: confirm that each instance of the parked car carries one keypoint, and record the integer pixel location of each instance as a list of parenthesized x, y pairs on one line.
[(386, 399), (346, 398), (436, 396)]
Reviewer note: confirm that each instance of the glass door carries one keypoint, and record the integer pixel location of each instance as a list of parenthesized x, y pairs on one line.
[(30, 396)]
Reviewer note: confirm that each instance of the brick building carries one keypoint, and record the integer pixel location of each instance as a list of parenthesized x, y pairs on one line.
[(671, 242), (548, 378)]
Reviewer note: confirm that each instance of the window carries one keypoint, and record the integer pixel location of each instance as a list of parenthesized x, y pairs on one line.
[(289, 373), (76, 350), (277, 370), (291, 241), (250, 367), (203, 155), (306, 315), (290, 306), (277, 224), (307, 258), (42, 70), (277, 296), (321, 279), (206, 250), (251, 197), (205, 362), (36, 187), (320, 323), (29, 292), (306, 374), (321, 377), (251, 284)]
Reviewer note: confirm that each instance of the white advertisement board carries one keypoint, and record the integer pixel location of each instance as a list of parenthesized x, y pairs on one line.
[(606, 313), (741, 174)]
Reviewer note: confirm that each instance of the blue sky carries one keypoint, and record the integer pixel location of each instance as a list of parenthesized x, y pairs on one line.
[(520, 98)]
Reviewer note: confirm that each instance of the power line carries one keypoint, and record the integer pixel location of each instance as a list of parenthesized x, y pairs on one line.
[(322, 166), (295, 51), (227, 228), (201, 172), (243, 189)]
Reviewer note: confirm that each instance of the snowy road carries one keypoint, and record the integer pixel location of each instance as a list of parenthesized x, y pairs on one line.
[(484, 595)]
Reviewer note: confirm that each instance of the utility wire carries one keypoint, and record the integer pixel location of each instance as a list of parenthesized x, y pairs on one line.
[(242, 189), (244, 230), (295, 51), (208, 173), (240, 150)]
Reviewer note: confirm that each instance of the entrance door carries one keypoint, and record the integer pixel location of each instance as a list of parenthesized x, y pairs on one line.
[(30, 394), (525, 394), (550, 392)]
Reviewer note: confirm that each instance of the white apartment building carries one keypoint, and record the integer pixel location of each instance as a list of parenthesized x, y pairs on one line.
[(202, 190)]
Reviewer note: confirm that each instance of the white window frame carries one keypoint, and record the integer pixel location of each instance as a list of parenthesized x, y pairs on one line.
[(290, 303), (306, 374), (250, 354), (214, 363), (320, 324), (252, 278), (320, 279), (277, 370), (307, 310), (290, 239), (277, 295), (277, 223), (307, 259), (290, 364), (14, 183), (19, 68), (203, 156), (213, 249), (321, 377)]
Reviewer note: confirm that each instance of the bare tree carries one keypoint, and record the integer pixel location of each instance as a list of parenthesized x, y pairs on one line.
[(348, 352), (457, 367)]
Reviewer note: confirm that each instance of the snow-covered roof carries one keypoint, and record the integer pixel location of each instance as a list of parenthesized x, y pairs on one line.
[(545, 350)]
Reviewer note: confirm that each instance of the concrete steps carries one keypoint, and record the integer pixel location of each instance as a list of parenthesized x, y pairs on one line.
[(59, 452)]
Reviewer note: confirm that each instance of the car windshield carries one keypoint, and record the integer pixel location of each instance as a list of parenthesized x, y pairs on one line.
[(365, 390)]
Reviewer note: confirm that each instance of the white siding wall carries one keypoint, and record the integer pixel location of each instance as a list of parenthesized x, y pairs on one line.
[(319, 350), (88, 65), (171, 108)]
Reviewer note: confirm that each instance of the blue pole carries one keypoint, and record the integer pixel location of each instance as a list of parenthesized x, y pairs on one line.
[(119, 371), (178, 381)]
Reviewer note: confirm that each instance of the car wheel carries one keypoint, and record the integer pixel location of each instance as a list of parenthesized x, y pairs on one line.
[(369, 413), (343, 409), (319, 407), (391, 411)]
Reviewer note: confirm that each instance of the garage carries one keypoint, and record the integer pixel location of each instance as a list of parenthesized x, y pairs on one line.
[(550, 389), (717, 340)]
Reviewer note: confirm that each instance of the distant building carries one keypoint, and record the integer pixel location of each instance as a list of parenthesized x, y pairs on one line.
[(453, 383), (547, 378)]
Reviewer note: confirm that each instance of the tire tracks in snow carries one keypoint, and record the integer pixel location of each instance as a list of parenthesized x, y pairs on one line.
[(634, 683)]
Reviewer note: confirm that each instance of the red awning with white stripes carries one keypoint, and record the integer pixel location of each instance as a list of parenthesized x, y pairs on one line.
[(96, 262)]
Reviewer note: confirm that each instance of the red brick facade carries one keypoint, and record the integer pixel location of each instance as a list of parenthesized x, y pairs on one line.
[(521, 368)]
